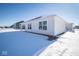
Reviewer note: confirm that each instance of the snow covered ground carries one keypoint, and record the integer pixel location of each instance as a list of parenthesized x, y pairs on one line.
[(66, 45), (7, 30), (17, 43)]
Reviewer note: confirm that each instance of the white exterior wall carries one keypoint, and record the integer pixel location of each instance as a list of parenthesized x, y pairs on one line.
[(35, 25), (55, 25), (59, 25)]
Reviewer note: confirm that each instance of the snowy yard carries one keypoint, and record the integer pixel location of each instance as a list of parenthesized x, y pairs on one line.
[(66, 45), (18, 43)]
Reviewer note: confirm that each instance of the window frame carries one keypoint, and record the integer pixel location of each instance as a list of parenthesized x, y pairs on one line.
[(43, 25), (40, 25), (29, 26)]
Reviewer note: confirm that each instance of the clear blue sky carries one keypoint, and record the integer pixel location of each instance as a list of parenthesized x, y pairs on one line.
[(11, 13)]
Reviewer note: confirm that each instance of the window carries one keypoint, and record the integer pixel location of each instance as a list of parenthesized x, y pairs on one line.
[(43, 25), (29, 26), (23, 26), (40, 25)]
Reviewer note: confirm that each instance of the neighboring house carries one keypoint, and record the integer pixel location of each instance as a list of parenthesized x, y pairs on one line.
[(69, 26), (1, 27), (49, 25), (76, 27), (22, 25), (17, 25)]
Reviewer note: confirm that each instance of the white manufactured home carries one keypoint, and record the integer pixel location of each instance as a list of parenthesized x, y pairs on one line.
[(49, 25)]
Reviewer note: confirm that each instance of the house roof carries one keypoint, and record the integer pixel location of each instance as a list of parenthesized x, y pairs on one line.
[(36, 18)]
